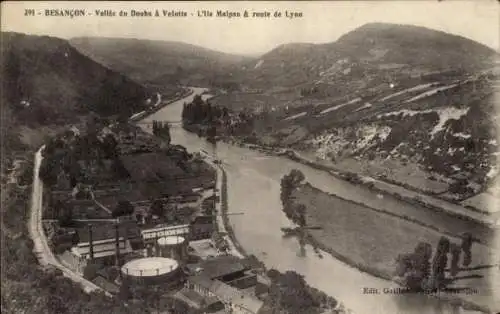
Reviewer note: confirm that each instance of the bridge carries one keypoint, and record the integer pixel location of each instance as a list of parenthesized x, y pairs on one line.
[(149, 124)]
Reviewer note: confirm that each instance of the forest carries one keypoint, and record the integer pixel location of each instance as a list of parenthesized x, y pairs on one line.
[(211, 121)]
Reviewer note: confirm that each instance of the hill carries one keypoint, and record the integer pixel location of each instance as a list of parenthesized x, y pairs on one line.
[(407, 104), (158, 62), (389, 51), (48, 82)]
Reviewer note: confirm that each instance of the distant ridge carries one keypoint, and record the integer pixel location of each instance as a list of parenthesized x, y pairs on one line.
[(48, 81), (155, 61)]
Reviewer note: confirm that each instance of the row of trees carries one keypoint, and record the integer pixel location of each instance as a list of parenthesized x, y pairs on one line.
[(293, 211), (423, 270), (162, 129)]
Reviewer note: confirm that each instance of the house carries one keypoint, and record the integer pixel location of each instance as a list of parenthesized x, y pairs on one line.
[(210, 304), (228, 269), (202, 227), (233, 299)]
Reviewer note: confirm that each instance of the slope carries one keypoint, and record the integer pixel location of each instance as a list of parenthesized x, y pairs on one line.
[(48, 83), (403, 103), (388, 51), (158, 62)]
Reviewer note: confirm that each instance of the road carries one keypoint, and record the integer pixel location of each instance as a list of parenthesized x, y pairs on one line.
[(40, 245)]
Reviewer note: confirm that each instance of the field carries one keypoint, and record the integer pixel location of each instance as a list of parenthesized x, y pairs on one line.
[(371, 240)]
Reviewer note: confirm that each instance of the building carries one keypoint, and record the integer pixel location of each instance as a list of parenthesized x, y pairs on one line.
[(202, 227), (228, 269), (100, 244), (233, 299), (151, 235), (149, 271)]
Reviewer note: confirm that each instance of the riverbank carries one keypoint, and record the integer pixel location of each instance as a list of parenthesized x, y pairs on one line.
[(141, 115), (379, 186), (358, 236), (221, 209), (428, 228), (236, 249)]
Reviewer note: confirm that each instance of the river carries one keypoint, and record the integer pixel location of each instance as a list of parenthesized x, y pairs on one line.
[(254, 189)]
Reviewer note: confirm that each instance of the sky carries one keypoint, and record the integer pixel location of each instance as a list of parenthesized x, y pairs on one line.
[(320, 22)]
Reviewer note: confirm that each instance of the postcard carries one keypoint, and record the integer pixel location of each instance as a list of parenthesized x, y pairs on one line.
[(298, 157)]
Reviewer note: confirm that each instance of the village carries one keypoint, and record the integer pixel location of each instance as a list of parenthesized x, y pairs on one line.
[(139, 217)]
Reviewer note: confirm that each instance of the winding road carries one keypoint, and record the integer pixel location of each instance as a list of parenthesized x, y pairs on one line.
[(40, 245)]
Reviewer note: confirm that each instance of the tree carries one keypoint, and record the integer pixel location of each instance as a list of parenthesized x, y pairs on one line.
[(109, 146), (456, 250), (440, 261), (157, 208), (125, 294), (299, 214), (123, 208), (162, 129), (403, 264), (49, 169), (415, 267), (422, 255), (466, 248), (289, 183), (90, 271), (64, 213)]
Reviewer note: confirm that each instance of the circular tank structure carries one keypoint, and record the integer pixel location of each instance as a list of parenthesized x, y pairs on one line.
[(173, 247), (152, 270)]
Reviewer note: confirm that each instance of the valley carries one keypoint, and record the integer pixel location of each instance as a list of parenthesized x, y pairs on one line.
[(393, 128)]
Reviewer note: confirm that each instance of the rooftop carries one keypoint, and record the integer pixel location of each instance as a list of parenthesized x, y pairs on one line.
[(128, 230), (150, 266), (162, 231), (106, 284), (203, 220), (101, 249), (221, 266), (228, 294)]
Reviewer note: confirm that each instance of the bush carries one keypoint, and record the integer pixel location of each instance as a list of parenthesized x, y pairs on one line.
[(415, 267), (90, 271)]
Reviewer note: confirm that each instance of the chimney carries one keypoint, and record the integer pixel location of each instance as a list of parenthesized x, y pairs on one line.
[(117, 241), (91, 243)]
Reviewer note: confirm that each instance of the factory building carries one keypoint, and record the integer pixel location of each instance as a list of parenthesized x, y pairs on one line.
[(103, 245)]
